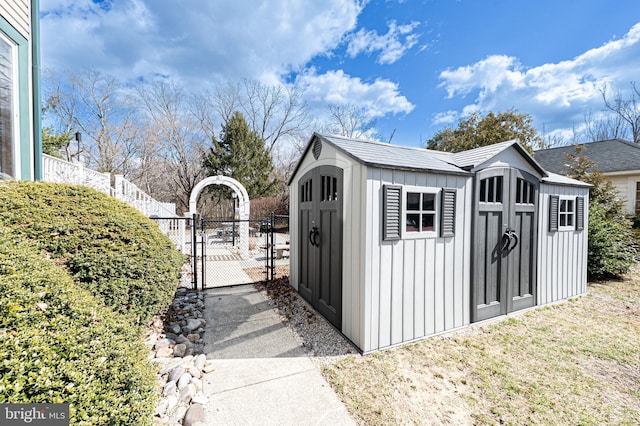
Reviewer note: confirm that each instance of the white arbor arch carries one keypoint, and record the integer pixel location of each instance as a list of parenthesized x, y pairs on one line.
[(243, 206)]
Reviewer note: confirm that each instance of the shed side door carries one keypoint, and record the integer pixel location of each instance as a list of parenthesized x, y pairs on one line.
[(330, 245), (321, 241), (307, 222), (522, 257), (489, 275)]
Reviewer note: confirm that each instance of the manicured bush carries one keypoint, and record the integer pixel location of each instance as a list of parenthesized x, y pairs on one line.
[(60, 344), (111, 249)]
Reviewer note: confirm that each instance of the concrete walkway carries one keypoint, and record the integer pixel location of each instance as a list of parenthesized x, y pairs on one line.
[(262, 375)]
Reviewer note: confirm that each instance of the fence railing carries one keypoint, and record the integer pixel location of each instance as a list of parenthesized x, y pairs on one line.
[(129, 193), (61, 171)]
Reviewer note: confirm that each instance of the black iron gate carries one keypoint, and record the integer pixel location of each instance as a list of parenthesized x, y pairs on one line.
[(226, 252)]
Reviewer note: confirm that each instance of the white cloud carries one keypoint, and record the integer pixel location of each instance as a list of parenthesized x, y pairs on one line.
[(203, 40), (378, 98), (552, 93), (206, 43), (392, 45), (446, 117)]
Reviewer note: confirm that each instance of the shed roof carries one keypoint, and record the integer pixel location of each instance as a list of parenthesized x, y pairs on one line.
[(392, 156), (557, 179), (611, 155), (419, 159), (474, 157)]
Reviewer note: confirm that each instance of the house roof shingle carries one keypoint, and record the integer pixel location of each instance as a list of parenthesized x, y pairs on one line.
[(612, 155)]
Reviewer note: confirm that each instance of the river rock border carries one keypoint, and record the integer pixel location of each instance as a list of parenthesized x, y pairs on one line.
[(177, 347)]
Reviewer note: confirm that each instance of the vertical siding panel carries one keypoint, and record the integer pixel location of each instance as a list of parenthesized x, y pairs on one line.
[(408, 290), (429, 293), (540, 270), (466, 212), (396, 278), (408, 279), (452, 264), (419, 290), (372, 256), (421, 261), (385, 267), (360, 289), (349, 305), (459, 255), (443, 267)]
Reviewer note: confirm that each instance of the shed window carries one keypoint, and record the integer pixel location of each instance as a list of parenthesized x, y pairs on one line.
[(566, 213), (491, 190), (420, 212), (417, 212)]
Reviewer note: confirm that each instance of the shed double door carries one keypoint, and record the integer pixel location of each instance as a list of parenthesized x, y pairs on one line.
[(321, 241), (504, 259)]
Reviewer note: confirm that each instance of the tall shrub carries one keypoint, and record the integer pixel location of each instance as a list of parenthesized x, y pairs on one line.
[(612, 246)]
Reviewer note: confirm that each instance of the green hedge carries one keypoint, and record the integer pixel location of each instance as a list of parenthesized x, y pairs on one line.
[(115, 252), (58, 343), (612, 248)]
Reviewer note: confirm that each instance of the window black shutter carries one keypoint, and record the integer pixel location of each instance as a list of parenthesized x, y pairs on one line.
[(554, 200), (580, 213), (391, 211), (448, 212)]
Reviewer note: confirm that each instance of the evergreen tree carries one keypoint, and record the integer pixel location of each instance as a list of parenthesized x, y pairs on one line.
[(52, 144), (241, 154)]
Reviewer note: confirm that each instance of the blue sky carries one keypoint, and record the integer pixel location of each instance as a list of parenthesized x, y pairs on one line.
[(416, 66)]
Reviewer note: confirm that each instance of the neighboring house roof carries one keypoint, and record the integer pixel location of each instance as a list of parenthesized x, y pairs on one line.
[(612, 155)]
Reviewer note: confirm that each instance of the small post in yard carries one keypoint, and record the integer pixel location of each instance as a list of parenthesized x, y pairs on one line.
[(203, 235), (234, 195), (273, 246), (194, 251)]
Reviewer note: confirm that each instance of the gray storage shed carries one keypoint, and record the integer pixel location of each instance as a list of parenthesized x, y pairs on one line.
[(393, 244)]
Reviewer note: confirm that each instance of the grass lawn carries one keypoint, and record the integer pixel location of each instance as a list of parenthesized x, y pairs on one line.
[(571, 363)]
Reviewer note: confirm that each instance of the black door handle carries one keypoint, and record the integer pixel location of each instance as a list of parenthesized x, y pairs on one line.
[(313, 235), (516, 238), (509, 236)]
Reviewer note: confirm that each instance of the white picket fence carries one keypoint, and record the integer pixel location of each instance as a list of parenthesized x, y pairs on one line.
[(60, 171)]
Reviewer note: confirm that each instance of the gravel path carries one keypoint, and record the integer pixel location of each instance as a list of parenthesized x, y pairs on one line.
[(322, 341)]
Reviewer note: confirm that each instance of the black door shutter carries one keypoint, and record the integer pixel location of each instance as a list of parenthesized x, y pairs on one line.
[(392, 210)]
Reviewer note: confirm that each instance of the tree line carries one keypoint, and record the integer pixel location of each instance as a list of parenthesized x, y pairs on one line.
[(166, 138)]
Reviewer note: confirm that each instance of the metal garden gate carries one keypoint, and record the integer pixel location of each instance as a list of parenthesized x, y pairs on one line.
[(213, 248)]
